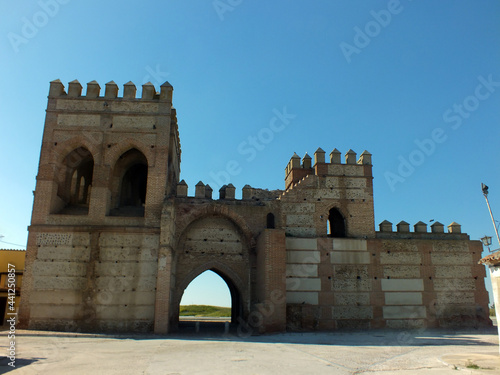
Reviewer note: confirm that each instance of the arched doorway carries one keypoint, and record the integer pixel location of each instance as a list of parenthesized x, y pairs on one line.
[(209, 301), (213, 243)]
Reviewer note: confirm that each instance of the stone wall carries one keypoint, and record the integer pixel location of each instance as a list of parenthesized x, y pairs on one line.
[(115, 239), (394, 283), (97, 281)]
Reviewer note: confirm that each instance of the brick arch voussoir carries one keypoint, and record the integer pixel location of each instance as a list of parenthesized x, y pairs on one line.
[(114, 152), (205, 211), (62, 150)]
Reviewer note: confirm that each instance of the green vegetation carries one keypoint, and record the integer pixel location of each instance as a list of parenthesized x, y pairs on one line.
[(492, 311), (204, 310), (472, 365)]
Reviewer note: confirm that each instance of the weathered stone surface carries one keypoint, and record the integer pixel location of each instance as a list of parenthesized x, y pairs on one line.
[(44, 311), (302, 270), (396, 285), (400, 258), (451, 258), (455, 298), (454, 284), (303, 284), (77, 254), (352, 312), (299, 208), (128, 254), (47, 239), (301, 244), (59, 269), (350, 257), (404, 312), (399, 245), (403, 298), (130, 269), (303, 256), (453, 272), (348, 244), (300, 232), (128, 240), (450, 246), (123, 283), (405, 323), (302, 297), (350, 272), (62, 297), (78, 120), (301, 220), (63, 283), (352, 285), (401, 272), (352, 299)]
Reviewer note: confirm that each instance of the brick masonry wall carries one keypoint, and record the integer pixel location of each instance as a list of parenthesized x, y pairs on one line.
[(271, 283), (394, 283)]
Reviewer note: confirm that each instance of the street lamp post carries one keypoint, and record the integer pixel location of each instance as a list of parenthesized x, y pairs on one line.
[(486, 240), (484, 188)]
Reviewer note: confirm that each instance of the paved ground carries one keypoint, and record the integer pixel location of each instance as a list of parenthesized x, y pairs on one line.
[(210, 352)]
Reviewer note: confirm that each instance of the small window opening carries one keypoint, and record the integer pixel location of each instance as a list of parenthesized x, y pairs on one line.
[(336, 224), (270, 221)]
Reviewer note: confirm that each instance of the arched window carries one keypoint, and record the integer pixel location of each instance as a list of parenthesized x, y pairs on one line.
[(133, 189), (270, 221), (130, 178), (336, 224), (75, 182)]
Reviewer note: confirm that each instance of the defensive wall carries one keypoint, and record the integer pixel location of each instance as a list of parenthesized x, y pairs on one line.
[(115, 238)]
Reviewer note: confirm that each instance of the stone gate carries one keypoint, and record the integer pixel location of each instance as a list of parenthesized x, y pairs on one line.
[(115, 239)]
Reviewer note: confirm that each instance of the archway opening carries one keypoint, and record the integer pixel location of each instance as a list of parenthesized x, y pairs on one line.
[(134, 182), (336, 224), (211, 302), (129, 185), (75, 182)]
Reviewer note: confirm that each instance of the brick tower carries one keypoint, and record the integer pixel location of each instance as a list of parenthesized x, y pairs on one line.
[(106, 165)]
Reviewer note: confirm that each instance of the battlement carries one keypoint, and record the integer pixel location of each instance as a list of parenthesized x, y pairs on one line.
[(57, 90), (98, 108), (419, 229), (297, 169), (227, 192)]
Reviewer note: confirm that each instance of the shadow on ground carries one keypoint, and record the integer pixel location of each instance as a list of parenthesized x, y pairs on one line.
[(220, 331), (20, 362)]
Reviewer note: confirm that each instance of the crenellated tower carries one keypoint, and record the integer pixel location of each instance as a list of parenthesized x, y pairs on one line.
[(105, 156), (337, 198), (107, 163)]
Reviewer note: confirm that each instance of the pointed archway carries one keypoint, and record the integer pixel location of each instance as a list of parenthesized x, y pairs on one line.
[(215, 243), (234, 300)]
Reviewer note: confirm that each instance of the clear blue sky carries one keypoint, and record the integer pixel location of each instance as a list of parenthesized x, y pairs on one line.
[(378, 75)]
